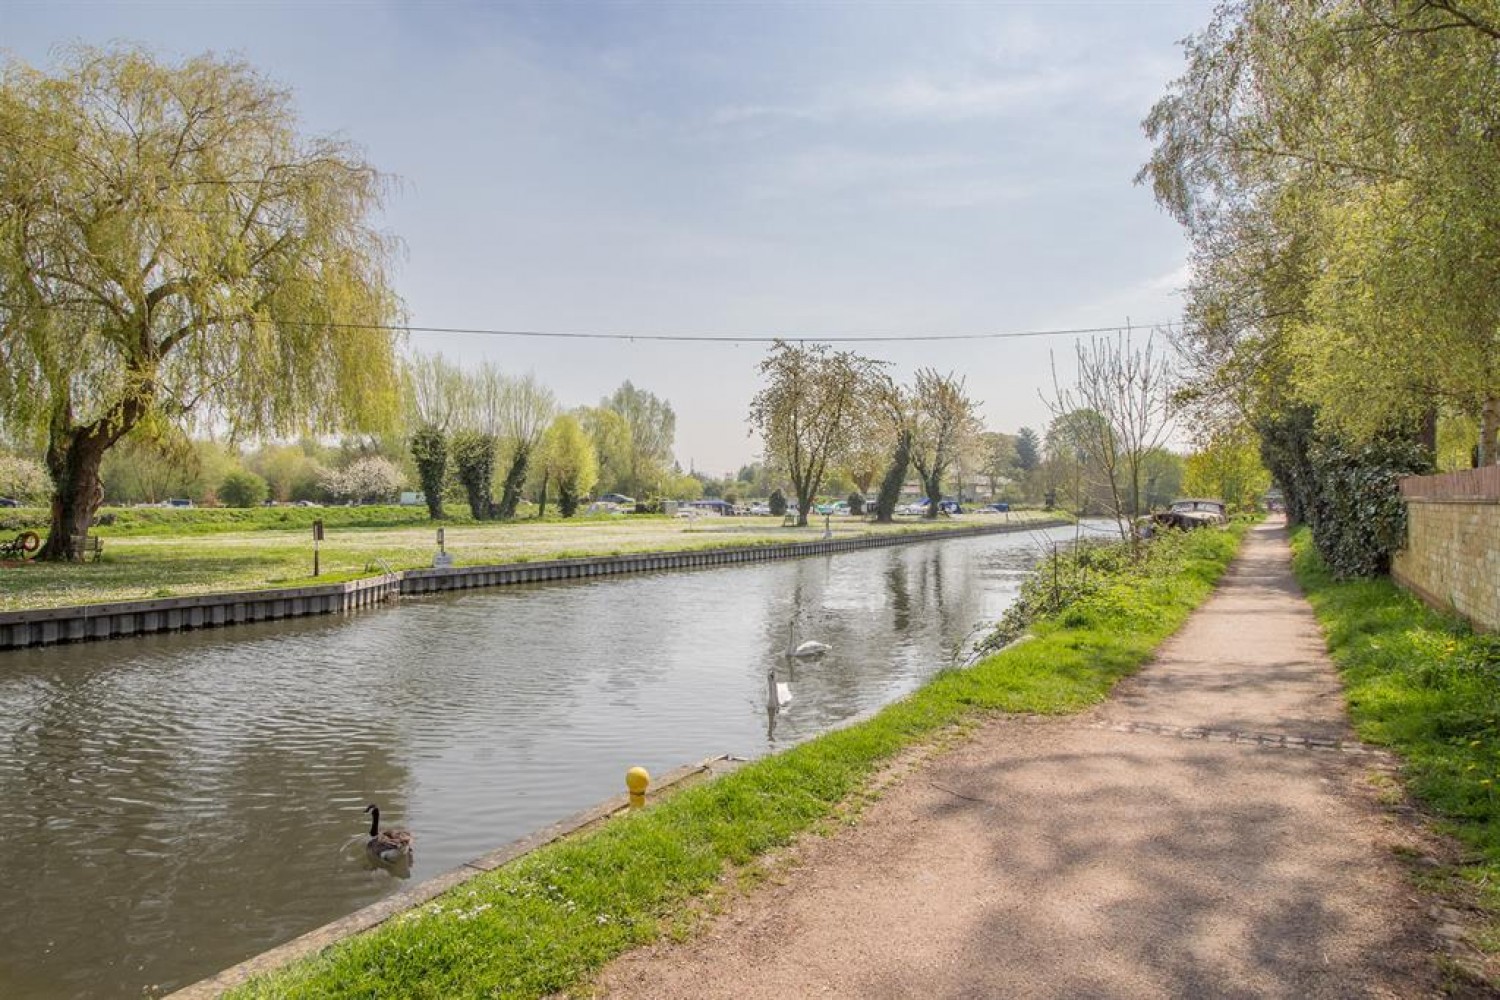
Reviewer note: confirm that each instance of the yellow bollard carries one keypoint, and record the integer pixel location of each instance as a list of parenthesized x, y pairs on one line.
[(636, 779)]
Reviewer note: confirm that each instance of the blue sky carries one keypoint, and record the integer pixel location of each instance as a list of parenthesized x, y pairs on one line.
[(732, 169)]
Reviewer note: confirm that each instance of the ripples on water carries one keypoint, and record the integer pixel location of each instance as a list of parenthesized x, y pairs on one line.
[(175, 803)]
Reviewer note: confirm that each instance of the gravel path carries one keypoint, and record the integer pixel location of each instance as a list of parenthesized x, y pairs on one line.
[(1209, 832)]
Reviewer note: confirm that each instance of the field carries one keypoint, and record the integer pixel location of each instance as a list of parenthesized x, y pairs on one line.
[(172, 553)]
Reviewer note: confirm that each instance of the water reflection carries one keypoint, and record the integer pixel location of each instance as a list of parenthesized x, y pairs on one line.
[(184, 801)]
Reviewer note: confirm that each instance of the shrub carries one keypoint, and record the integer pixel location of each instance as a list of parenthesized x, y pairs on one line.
[(777, 503), (856, 503), (243, 489)]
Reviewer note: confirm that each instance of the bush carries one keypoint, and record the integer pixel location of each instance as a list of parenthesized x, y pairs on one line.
[(243, 489), (856, 503), (1355, 510), (777, 503)]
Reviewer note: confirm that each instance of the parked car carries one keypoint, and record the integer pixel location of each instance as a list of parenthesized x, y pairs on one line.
[(760, 508), (1212, 511), (618, 498), (947, 505), (177, 502), (9, 502), (1186, 514)]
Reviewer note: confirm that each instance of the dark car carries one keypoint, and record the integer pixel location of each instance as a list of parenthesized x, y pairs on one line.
[(9, 502)]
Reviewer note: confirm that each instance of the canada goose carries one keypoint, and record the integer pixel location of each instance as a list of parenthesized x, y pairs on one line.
[(389, 846), (809, 650)]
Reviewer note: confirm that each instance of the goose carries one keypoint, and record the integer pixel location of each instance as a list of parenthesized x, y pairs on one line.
[(389, 846), (809, 650)]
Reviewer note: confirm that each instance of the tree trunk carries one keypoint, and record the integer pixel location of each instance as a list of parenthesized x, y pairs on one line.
[(933, 484), (804, 502), (1489, 432), (541, 499), (895, 477), (76, 491), (510, 495)]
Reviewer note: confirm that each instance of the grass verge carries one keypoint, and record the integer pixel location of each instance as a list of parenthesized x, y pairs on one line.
[(1428, 687), (174, 553), (550, 920)]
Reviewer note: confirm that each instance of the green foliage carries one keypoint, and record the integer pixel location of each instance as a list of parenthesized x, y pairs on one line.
[(777, 503), (856, 503), (894, 478), (1426, 686), (1226, 465), (542, 925), (1355, 512), (243, 489), (429, 448), (194, 257), (474, 455), (1081, 584)]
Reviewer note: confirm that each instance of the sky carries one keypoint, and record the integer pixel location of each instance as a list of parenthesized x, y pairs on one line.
[(729, 169)]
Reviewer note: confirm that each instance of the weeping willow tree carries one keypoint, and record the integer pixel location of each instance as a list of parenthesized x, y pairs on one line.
[(172, 251)]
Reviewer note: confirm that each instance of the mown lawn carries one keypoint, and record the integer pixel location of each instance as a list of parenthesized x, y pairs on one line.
[(548, 921), (169, 553)]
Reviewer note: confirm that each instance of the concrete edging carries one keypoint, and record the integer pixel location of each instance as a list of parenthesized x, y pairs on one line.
[(49, 626), (377, 913)]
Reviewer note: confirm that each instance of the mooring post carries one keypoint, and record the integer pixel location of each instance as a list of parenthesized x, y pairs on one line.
[(636, 780)]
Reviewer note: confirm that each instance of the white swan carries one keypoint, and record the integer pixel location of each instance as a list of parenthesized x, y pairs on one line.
[(778, 693), (809, 650)]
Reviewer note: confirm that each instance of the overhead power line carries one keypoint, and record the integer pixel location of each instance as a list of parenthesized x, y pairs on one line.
[(749, 339)]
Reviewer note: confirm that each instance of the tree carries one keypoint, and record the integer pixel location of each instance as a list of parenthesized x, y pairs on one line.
[(1125, 389), (434, 388), (945, 420), (566, 456), (366, 480), (1334, 166), (893, 410), (1227, 465), (650, 427), (242, 489), (474, 456), (171, 249), (804, 410), (526, 409), (996, 458), (22, 479), (1028, 452)]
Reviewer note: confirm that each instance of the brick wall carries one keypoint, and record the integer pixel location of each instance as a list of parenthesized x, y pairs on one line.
[(1452, 554)]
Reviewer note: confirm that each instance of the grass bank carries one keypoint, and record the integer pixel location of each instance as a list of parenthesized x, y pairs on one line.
[(174, 553), (550, 920), (1428, 687)]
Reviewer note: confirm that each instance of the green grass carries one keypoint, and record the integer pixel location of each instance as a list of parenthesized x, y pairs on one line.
[(174, 553), (550, 920), (1428, 687)]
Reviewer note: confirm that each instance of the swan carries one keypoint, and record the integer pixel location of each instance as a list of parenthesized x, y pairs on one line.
[(389, 846), (778, 693), (809, 650)]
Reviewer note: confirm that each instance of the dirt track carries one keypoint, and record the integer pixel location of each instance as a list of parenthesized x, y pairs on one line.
[(1209, 832)]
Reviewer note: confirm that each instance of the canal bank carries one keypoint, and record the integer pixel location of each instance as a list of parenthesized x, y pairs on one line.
[(541, 926), (49, 626), (195, 798)]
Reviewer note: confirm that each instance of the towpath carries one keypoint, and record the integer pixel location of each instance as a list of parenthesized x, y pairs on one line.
[(1211, 831)]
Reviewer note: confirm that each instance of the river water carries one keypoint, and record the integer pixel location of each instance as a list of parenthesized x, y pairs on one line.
[(173, 804)]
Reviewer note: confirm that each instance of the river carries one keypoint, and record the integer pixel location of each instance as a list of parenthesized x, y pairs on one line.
[(173, 804)]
